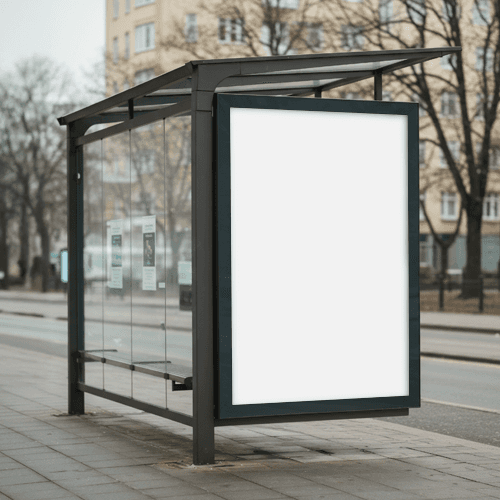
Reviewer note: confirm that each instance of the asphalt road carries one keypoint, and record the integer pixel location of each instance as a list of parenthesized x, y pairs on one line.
[(451, 385), (458, 385), (50, 336)]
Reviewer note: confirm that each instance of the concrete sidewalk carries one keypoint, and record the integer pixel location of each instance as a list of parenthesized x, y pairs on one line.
[(118, 453)]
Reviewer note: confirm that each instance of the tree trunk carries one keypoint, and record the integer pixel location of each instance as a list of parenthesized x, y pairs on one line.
[(470, 285), (43, 232), (444, 259), (24, 240), (4, 249)]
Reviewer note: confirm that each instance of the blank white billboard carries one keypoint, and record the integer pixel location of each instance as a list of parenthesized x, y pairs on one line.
[(319, 255)]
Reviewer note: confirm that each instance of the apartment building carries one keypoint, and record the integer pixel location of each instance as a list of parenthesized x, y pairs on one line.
[(145, 38)]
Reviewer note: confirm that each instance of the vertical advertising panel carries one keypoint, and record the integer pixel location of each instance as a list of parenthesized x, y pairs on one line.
[(115, 238), (149, 253), (317, 244)]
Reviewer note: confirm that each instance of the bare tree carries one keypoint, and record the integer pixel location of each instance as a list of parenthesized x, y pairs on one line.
[(248, 28), (448, 99), (33, 148)]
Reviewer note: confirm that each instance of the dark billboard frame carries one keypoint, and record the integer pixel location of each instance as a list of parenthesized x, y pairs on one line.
[(222, 124)]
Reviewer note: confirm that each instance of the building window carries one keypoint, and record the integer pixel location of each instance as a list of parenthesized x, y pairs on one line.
[(421, 215), (385, 11), (115, 88), (495, 158), (116, 8), (421, 109), (230, 30), (480, 105), (449, 104), (454, 147), (127, 46), (449, 206), (425, 251), (421, 154), (115, 50), (191, 28), (351, 37), (416, 11), (490, 207), (350, 95), (386, 95), (140, 3), (282, 4), (315, 36), (144, 161), (281, 40), (143, 76), (481, 12), (127, 6), (448, 61), (484, 59), (354, 1), (450, 10), (145, 37), (126, 85)]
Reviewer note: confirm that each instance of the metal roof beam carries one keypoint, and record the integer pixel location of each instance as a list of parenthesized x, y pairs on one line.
[(123, 97), (237, 81), (144, 119)]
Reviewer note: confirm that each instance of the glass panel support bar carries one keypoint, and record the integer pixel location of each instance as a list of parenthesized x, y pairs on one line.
[(182, 418)]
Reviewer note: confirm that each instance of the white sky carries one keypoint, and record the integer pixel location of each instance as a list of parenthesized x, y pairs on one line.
[(71, 32)]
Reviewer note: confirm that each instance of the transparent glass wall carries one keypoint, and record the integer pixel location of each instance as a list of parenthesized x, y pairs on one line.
[(178, 286), (117, 300), (138, 308), (94, 266)]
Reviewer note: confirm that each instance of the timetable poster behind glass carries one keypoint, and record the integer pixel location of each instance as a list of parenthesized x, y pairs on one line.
[(148, 253), (116, 233)]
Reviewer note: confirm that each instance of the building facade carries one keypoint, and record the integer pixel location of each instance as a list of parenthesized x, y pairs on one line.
[(145, 38)]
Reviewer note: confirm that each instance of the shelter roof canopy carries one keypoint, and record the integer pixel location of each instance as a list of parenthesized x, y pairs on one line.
[(295, 75)]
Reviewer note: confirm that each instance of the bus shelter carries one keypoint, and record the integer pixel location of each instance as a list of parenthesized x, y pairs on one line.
[(217, 217)]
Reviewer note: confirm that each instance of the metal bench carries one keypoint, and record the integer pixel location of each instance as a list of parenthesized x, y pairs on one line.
[(181, 376)]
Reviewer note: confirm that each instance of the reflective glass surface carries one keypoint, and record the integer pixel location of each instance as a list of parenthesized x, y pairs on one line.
[(137, 260), (94, 266)]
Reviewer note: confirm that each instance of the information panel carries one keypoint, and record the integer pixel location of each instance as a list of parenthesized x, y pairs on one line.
[(317, 254)]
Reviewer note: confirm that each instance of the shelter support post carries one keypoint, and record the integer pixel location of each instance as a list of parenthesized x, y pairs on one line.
[(203, 304), (204, 83), (377, 88), (76, 399)]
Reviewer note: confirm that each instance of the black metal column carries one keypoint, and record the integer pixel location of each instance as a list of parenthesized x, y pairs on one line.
[(203, 275), (377, 87), (76, 400)]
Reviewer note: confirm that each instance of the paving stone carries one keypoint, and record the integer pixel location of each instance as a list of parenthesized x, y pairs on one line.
[(129, 495), (202, 496), (84, 481), (20, 476), (36, 491)]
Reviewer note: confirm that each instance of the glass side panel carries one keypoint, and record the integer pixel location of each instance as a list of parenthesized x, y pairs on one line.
[(148, 244), (94, 270), (138, 293), (178, 252), (117, 244)]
